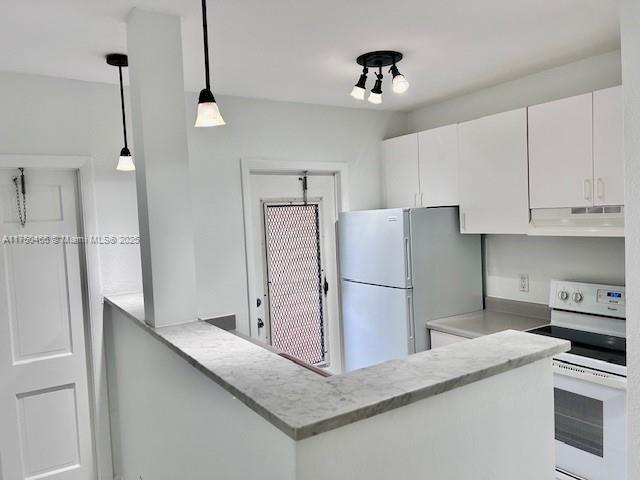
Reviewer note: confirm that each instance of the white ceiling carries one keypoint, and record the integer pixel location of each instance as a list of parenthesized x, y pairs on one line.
[(305, 50)]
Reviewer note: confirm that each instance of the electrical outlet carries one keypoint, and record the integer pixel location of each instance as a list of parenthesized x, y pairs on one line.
[(524, 282)]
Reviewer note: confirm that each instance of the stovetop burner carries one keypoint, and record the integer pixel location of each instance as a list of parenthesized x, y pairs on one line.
[(593, 345)]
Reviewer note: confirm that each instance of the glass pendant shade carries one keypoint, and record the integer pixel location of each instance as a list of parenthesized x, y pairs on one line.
[(125, 162), (208, 111)]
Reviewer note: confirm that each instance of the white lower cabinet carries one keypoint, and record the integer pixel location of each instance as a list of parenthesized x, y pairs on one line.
[(440, 339), (493, 177)]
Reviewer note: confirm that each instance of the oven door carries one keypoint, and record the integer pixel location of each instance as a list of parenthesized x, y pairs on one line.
[(590, 428)]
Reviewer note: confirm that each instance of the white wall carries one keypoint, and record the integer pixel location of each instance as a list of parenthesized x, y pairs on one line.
[(597, 260), (630, 32), (584, 76), (54, 116), (185, 428), (543, 258), (500, 428)]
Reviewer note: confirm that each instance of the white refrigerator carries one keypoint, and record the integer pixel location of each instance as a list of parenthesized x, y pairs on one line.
[(400, 268)]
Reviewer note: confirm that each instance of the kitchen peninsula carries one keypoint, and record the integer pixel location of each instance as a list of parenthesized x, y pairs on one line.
[(194, 397)]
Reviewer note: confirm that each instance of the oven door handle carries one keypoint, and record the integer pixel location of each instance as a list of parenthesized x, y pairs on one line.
[(589, 375)]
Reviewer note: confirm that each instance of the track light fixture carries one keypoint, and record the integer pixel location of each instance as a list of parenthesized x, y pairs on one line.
[(125, 161), (208, 111), (379, 59), (359, 88)]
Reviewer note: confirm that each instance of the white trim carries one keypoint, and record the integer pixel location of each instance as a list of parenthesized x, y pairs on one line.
[(247, 167), (92, 297)]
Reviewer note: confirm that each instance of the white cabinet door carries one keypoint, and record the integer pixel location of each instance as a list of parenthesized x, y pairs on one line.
[(608, 160), (560, 153), (400, 169), (438, 152), (493, 174)]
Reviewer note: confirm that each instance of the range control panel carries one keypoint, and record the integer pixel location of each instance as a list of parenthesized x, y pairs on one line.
[(595, 299)]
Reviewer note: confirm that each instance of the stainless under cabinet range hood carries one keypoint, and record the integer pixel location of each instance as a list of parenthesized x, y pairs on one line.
[(580, 222)]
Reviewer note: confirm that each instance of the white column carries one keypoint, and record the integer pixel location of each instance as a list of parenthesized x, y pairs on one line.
[(630, 34), (161, 155)]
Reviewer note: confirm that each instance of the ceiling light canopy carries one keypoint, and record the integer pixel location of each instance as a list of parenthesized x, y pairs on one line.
[(379, 59), (125, 161), (208, 111)]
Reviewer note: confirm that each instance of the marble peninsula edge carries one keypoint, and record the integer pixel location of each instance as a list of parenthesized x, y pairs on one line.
[(302, 404)]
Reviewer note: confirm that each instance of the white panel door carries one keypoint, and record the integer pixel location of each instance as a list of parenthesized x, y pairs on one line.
[(608, 159), (400, 170), (493, 181), (377, 322), (438, 151), (44, 399), (560, 153)]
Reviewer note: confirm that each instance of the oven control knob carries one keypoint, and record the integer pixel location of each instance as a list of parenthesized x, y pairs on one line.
[(577, 297), (563, 295)]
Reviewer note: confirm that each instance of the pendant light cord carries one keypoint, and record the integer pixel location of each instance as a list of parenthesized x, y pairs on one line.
[(124, 121), (205, 35)]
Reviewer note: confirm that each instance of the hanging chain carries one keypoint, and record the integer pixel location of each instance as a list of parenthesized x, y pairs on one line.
[(305, 186), (22, 209)]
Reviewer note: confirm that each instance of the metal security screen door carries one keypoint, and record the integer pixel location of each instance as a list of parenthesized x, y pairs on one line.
[(295, 280)]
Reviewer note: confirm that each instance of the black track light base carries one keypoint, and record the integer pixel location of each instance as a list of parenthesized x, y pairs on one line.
[(380, 58), (117, 60)]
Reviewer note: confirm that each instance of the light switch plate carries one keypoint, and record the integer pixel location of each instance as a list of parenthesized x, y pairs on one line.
[(524, 282)]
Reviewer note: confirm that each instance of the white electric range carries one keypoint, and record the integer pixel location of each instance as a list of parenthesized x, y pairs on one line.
[(590, 380)]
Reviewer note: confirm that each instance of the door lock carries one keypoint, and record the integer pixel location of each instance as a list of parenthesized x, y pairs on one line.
[(258, 302), (325, 286)]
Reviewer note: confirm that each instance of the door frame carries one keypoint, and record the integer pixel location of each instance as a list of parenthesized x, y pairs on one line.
[(91, 294), (249, 166)]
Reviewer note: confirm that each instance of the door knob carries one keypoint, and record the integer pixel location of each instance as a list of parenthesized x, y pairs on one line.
[(260, 323)]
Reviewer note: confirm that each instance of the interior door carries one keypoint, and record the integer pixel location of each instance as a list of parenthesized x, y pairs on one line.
[(608, 158), (44, 398), (560, 153), (271, 194), (400, 165)]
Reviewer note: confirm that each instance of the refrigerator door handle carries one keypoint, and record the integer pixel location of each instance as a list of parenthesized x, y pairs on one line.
[(412, 329), (407, 259)]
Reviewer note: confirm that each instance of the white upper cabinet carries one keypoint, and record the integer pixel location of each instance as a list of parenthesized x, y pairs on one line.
[(608, 161), (400, 170), (438, 152), (493, 182), (560, 153)]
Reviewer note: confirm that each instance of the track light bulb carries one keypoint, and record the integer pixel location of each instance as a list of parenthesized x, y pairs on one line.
[(359, 91), (375, 96), (399, 84)]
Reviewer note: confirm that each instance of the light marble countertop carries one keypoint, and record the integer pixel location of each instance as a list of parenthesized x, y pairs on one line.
[(302, 404), (484, 322)]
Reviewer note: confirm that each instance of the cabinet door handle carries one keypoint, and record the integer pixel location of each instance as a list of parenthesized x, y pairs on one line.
[(422, 199), (586, 189), (415, 199), (463, 222), (600, 189)]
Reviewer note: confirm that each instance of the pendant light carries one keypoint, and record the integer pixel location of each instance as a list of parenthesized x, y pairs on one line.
[(208, 111), (379, 59), (125, 162)]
